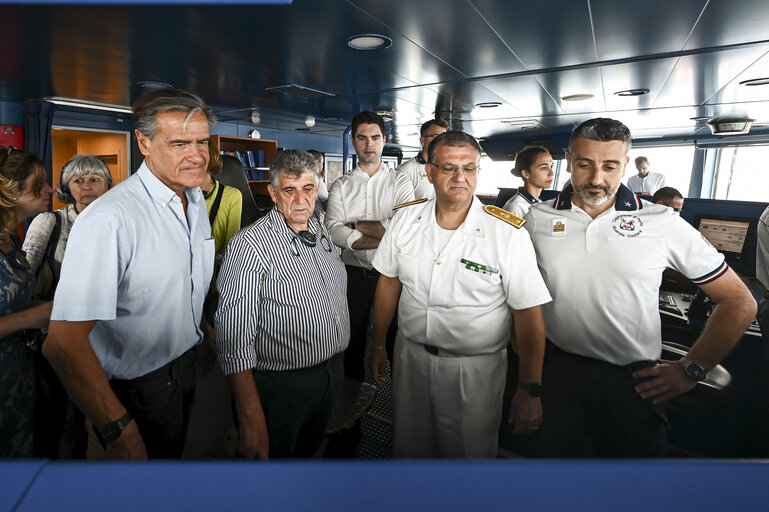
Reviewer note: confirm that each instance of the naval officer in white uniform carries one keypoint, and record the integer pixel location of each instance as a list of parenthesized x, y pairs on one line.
[(458, 271)]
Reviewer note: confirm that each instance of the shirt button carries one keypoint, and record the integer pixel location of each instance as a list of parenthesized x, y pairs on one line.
[(439, 262), (164, 203)]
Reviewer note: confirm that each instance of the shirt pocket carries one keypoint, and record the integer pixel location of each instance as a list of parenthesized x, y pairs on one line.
[(474, 288)]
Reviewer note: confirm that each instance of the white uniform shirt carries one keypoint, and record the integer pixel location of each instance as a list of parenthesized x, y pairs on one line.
[(415, 170), (356, 197), (651, 183), (520, 203), (604, 273), (322, 191), (762, 252), (447, 305)]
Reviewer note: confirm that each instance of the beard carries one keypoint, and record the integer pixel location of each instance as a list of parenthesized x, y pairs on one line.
[(591, 199)]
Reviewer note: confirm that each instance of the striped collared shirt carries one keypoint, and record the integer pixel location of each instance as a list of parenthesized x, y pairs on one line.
[(282, 303)]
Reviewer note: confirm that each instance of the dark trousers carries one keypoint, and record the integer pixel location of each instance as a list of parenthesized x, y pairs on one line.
[(589, 408), (297, 406), (160, 403), (361, 285)]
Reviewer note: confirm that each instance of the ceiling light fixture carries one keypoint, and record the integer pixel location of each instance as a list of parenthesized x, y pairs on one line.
[(255, 117), (755, 81), (386, 115), (369, 42), (577, 97), (730, 125), (154, 86), (488, 104), (309, 121), (521, 122), (68, 102), (632, 92)]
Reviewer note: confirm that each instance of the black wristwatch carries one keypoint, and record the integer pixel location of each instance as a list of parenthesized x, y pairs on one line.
[(112, 430), (532, 388), (692, 369)]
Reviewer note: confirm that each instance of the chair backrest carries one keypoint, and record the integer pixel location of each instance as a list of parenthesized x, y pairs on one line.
[(233, 175)]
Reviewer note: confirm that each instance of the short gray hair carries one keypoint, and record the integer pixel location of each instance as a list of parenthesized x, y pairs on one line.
[(148, 106), (80, 165), (294, 163), (602, 129)]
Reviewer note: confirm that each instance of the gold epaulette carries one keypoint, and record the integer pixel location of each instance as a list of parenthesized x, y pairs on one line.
[(418, 201), (506, 216)]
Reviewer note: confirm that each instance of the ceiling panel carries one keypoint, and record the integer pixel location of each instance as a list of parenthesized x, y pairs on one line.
[(528, 29), (728, 22), (630, 29)]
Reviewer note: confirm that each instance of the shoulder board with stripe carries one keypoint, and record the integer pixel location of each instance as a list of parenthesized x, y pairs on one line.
[(504, 215), (418, 201)]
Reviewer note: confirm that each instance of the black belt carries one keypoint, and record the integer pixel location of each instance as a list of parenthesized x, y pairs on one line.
[(325, 364), (629, 368), (441, 352), (365, 272)]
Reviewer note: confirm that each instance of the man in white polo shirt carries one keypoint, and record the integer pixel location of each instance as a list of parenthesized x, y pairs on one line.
[(602, 252)]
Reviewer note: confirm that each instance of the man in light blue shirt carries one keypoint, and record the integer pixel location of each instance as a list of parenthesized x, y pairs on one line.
[(128, 306)]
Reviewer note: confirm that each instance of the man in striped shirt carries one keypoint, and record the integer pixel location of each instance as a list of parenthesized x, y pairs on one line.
[(602, 252), (282, 322)]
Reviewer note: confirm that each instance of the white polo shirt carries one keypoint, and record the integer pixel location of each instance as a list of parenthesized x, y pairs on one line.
[(651, 183), (520, 203), (414, 169), (445, 303), (604, 273), (356, 197)]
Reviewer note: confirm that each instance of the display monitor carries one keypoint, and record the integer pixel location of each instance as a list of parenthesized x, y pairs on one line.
[(732, 236)]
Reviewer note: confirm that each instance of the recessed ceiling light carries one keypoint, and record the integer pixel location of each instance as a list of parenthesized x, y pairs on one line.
[(386, 115), (577, 97), (730, 125), (632, 92), (755, 81), (488, 104), (700, 118), (149, 84), (369, 42)]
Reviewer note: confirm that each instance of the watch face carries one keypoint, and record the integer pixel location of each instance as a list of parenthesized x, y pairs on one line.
[(695, 371)]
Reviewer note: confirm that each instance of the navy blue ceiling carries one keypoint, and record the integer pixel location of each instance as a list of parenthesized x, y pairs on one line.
[(446, 57)]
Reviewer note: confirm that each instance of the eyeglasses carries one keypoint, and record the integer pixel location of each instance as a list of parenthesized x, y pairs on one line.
[(468, 170)]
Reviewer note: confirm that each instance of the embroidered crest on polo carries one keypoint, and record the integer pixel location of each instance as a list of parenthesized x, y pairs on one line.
[(629, 226), (559, 227)]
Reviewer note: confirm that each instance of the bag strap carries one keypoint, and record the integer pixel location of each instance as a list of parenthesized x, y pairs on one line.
[(217, 202), (50, 250)]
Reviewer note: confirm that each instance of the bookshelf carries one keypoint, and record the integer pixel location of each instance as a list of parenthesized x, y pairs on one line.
[(259, 152)]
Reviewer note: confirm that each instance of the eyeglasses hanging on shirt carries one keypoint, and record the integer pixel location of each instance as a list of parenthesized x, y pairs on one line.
[(307, 238)]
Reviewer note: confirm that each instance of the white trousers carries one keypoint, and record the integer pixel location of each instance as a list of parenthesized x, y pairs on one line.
[(449, 407)]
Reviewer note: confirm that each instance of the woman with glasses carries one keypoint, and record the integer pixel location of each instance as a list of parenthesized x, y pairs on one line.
[(59, 425), (535, 166), (23, 193)]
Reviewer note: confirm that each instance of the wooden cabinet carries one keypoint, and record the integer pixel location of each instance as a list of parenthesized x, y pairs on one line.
[(268, 149)]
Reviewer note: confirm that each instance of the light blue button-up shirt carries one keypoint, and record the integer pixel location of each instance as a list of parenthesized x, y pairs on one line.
[(139, 265)]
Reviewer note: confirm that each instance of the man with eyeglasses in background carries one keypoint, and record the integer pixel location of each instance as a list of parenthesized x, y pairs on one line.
[(416, 168), (459, 270)]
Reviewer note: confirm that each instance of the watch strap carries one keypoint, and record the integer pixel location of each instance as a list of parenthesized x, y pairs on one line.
[(532, 388), (112, 430)]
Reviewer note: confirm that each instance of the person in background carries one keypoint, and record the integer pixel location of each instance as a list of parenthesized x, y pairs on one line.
[(602, 251), (23, 194), (223, 203), (535, 166), (645, 182), (415, 168), (322, 188), (129, 304), (60, 427), (282, 322), (669, 197)]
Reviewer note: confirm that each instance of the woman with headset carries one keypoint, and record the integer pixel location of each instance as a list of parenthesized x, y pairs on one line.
[(59, 426), (23, 194)]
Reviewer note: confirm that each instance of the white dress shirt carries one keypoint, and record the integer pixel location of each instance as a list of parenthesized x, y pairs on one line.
[(651, 183), (356, 197)]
